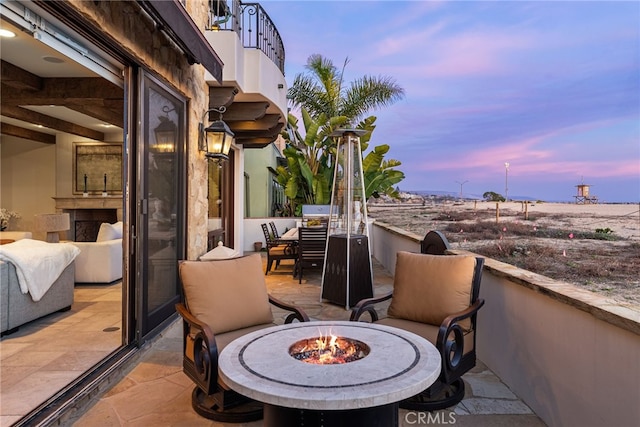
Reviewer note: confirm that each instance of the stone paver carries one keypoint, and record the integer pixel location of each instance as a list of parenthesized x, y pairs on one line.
[(156, 392)]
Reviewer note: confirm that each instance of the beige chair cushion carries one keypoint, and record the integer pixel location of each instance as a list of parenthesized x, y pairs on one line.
[(222, 340), (283, 249), (227, 294), (428, 288), (428, 332)]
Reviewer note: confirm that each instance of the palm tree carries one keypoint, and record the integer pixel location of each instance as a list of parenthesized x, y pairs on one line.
[(307, 177), (326, 105), (310, 160), (322, 91)]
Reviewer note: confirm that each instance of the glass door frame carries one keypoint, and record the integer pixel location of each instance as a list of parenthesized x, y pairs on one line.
[(149, 322)]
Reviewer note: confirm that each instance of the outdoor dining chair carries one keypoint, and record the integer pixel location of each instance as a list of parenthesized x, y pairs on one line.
[(274, 230), (278, 249), (312, 243)]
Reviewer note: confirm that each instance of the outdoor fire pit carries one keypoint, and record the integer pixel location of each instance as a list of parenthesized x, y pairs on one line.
[(330, 373), (328, 350)]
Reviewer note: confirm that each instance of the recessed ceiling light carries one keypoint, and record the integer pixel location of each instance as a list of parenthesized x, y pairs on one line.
[(53, 59), (6, 33)]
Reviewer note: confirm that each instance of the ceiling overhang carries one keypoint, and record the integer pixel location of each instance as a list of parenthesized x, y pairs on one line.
[(179, 26), (252, 126), (23, 92)]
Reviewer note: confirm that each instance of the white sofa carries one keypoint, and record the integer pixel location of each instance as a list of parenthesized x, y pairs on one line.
[(101, 261)]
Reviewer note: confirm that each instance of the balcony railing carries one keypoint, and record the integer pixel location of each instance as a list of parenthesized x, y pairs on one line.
[(251, 23)]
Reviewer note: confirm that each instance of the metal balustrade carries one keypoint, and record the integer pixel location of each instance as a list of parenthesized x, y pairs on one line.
[(252, 24)]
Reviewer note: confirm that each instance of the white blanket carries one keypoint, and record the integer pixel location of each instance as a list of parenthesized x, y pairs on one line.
[(38, 264)]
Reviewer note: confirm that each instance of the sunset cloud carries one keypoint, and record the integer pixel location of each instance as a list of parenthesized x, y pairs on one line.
[(550, 87)]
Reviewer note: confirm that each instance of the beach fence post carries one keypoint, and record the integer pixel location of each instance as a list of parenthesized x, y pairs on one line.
[(526, 210), (497, 212)]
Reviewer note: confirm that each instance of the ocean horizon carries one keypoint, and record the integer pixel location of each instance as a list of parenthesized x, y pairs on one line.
[(512, 198)]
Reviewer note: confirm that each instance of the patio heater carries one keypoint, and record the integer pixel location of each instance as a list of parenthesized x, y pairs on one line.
[(347, 276)]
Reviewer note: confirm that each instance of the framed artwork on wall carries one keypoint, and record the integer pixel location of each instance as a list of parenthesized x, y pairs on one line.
[(97, 168)]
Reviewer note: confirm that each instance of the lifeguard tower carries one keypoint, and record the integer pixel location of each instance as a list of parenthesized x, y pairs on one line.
[(583, 197)]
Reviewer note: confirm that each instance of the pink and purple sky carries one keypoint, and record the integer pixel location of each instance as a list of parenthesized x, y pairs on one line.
[(551, 87)]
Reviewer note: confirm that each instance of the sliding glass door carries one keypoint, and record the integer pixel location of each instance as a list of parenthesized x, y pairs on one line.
[(159, 242)]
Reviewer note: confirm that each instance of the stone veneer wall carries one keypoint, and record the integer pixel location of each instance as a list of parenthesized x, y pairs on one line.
[(127, 25)]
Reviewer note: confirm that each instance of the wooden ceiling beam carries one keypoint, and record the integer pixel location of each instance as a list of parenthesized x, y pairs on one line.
[(262, 133), (242, 111), (266, 122), (255, 142), (18, 78), (20, 132), (92, 96), (106, 115), (221, 96), (56, 91), (36, 118), (82, 87)]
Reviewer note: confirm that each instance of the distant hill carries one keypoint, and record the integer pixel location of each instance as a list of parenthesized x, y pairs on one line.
[(455, 195)]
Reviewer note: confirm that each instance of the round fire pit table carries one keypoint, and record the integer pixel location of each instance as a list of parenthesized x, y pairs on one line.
[(362, 392)]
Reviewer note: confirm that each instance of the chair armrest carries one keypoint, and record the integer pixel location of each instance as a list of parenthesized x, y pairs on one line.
[(450, 324), (297, 313), (291, 244), (455, 318), (287, 242), (205, 350), (367, 306)]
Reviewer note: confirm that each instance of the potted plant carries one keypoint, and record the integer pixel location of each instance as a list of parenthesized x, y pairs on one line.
[(5, 216), (257, 246)]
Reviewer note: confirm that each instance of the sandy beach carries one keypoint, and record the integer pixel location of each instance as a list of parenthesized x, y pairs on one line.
[(623, 219), (595, 246)]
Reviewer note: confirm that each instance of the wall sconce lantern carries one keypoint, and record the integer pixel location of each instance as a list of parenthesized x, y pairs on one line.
[(216, 139), (166, 134)]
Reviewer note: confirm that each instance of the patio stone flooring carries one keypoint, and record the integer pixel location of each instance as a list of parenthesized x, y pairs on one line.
[(156, 391)]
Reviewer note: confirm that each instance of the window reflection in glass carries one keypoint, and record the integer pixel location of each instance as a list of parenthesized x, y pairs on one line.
[(163, 136)]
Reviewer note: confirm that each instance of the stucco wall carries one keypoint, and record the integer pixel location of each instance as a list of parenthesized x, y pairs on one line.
[(255, 166), (387, 240), (253, 230), (27, 181), (240, 66), (570, 354), (569, 366)]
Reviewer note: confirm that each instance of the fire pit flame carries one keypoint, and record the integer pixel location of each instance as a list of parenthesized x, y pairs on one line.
[(328, 350)]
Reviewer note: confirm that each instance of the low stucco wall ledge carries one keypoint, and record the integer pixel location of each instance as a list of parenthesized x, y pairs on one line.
[(626, 316)]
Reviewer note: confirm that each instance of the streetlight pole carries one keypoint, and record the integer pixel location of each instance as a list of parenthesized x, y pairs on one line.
[(461, 184), (506, 181)]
